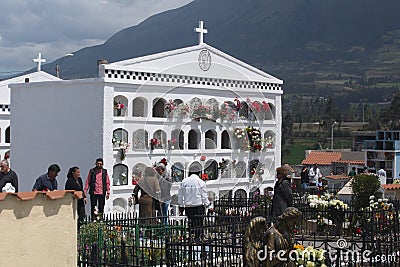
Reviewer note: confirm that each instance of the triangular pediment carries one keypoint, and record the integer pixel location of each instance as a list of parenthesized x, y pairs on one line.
[(198, 61)]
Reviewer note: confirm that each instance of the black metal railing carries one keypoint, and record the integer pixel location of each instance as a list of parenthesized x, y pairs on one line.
[(344, 234)]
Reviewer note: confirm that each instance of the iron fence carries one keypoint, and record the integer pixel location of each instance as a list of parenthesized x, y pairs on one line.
[(349, 237)]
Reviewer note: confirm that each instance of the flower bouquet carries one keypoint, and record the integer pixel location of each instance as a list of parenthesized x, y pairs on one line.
[(118, 107), (255, 142), (154, 142), (123, 147), (170, 106)]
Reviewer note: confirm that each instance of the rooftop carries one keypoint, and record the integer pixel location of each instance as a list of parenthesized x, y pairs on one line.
[(322, 157)]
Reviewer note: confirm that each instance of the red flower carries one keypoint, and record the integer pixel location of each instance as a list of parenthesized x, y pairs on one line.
[(203, 158), (358, 231), (204, 176), (154, 141), (265, 106), (120, 106), (238, 104), (164, 161), (256, 106)]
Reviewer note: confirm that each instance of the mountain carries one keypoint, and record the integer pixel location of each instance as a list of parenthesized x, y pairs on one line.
[(274, 35)]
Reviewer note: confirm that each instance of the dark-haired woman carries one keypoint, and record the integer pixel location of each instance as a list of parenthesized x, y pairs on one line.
[(74, 182)]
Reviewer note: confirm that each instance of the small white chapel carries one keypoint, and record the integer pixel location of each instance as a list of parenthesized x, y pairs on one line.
[(197, 109)]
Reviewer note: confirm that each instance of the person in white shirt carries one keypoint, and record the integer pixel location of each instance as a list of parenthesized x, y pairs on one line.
[(193, 199), (314, 174)]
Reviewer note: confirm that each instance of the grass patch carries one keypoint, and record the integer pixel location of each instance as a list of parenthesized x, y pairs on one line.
[(298, 147)]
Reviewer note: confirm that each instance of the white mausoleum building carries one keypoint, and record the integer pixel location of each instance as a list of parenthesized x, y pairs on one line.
[(201, 110), (37, 76)]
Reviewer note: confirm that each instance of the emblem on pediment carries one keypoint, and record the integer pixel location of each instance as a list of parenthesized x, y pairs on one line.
[(205, 60)]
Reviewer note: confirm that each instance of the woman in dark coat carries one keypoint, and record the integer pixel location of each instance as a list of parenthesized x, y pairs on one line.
[(283, 196), (74, 182), (149, 188)]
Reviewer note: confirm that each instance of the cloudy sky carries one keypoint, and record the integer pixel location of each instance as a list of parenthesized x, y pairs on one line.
[(58, 27)]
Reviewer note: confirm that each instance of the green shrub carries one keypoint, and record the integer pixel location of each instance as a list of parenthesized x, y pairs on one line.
[(364, 186)]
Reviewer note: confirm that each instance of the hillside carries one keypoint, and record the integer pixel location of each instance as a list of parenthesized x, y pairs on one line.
[(271, 34), (345, 54)]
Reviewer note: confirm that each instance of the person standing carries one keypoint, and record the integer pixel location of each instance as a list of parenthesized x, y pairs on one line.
[(382, 175), (7, 176), (283, 195), (193, 199), (98, 185), (314, 173), (165, 181), (352, 173), (149, 191), (305, 180), (47, 181), (74, 182)]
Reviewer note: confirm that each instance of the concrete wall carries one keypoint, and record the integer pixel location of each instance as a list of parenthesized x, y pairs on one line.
[(56, 122), (38, 232)]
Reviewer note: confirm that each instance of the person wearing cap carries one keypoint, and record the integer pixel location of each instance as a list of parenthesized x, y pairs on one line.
[(193, 199), (165, 182), (98, 184)]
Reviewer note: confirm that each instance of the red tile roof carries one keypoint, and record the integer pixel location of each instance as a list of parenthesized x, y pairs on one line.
[(50, 194), (322, 157), (391, 186)]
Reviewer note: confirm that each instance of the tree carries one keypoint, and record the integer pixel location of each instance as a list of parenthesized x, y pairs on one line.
[(363, 186), (287, 127)]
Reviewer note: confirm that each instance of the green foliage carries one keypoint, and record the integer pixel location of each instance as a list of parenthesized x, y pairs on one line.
[(364, 186)]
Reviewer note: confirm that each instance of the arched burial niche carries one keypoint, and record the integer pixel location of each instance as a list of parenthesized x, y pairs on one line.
[(158, 108), (120, 105), (177, 139), (120, 174), (194, 139), (211, 170), (119, 205), (195, 168), (119, 135), (211, 139), (225, 140), (139, 107), (177, 172), (140, 140)]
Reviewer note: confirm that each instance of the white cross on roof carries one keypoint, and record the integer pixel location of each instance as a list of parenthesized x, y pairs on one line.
[(39, 60), (201, 31)]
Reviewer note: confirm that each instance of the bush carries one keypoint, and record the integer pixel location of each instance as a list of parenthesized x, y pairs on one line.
[(364, 186)]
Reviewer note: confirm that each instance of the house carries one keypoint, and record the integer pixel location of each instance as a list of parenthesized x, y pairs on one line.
[(198, 108), (392, 191), (335, 162)]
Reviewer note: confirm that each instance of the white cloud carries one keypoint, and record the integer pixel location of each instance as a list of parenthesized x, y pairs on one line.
[(57, 27)]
